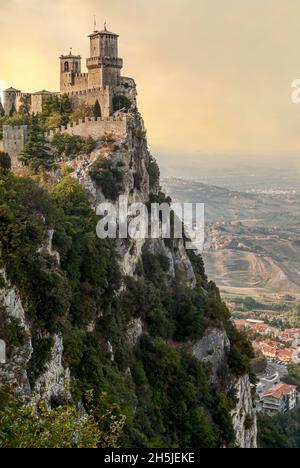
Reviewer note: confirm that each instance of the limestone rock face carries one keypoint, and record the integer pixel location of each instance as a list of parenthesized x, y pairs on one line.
[(183, 264), (14, 370), (244, 415), (48, 247), (135, 331), (56, 380), (213, 348)]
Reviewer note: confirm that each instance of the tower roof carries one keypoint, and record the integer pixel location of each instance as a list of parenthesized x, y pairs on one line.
[(104, 32), (44, 92), (70, 56), (12, 90)]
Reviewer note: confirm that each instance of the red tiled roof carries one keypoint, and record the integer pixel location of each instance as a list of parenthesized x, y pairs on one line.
[(280, 391)]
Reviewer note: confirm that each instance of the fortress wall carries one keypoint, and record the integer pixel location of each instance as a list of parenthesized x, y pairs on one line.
[(14, 140), (89, 98), (36, 103), (80, 81), (11, 99), (96, 128), (73, 82)]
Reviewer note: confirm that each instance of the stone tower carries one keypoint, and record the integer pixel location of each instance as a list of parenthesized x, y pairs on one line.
[(104, 65), (70, 67), (10, 95), (14, 140)]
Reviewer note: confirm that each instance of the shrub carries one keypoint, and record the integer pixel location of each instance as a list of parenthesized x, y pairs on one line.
[(72, 145), (5, 162), (108, 177), (121, 102), (154, 173), (23, 424)]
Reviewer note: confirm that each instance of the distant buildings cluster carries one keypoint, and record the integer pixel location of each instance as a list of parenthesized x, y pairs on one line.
[(273, 343)]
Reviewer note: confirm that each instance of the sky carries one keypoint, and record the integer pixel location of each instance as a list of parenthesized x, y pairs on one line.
[(214, 76)]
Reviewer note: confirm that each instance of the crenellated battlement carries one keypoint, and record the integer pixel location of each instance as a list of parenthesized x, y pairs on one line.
[(94, 127), (14, 130), (85, 92)]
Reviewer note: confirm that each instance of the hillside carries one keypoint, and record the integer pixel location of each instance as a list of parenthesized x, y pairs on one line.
[(136, 324), (252, 239)]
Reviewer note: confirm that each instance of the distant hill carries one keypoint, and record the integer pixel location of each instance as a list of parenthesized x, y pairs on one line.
[(252, 239)]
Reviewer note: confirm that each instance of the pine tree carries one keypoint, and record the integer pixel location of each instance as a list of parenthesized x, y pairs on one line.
[(35, 153), (5, 162), (12, 110), (97, 109), (25, 102)]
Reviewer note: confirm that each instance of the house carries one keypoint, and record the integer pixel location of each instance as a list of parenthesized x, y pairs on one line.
[(269, 351), (285, 355), (279, 399)]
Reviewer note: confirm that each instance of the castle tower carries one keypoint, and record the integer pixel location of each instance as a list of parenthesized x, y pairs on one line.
[(14, 141), (104, 65), (70, 66), (10, 96)]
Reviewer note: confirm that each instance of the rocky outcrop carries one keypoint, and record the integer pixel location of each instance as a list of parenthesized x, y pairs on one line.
[(48, 246), (55, 382), (14, 369), (135, 331), (213, 348), (244, 415)]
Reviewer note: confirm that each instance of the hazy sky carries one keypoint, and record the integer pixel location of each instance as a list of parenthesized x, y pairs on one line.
[(214, 76)]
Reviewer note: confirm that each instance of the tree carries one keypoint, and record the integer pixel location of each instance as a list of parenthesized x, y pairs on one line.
[(12, 110), (25, 104), (56, 111), (5, 162), (23, 424), (65, 105), (35, 153), (97, 109), (121, 102)]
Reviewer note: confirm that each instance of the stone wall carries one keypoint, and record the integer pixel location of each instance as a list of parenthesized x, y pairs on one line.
[(90, 96), (14, 140), (11, 100), (37, 101), (96, 128), (73, 82)]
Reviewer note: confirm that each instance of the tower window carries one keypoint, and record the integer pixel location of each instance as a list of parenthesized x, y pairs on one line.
[(66, 67)]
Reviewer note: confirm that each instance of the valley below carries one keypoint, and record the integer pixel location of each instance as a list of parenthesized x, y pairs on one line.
[(252, 244)]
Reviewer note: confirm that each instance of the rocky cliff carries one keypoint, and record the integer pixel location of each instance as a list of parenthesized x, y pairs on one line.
[(137, 175)]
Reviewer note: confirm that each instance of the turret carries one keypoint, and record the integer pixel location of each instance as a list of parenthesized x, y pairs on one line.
[(70, 66), (104, 65), (10, 96)]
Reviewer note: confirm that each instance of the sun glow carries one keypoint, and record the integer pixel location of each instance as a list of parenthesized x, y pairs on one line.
[(2, 88)]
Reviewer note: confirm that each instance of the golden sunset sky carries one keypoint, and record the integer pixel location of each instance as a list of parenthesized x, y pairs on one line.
[(214, 76)]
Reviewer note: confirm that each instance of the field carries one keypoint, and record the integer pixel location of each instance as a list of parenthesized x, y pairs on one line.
[(252, 238)]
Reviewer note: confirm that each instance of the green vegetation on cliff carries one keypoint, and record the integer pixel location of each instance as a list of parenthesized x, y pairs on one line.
[(281, 431), (163, 392)]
